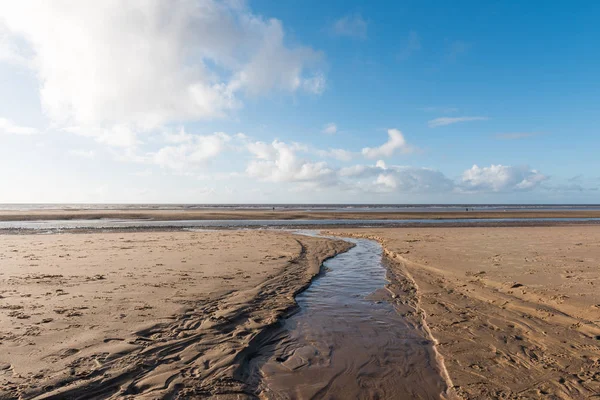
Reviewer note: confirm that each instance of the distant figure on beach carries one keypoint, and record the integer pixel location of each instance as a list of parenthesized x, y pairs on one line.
[(467, 208)]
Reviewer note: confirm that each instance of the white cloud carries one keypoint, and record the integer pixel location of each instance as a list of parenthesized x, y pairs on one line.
[(358, 171), (8, 127), (387, 180), (396, 178), (395, 142), (434, 123), (189, 151), (118, 135), (415, 179), (9, 48), (143, 173), (352, 25), (338, 154), (500, 178), (82, 153), (330, 128), (143, 64), (278, 162), (315, 84)]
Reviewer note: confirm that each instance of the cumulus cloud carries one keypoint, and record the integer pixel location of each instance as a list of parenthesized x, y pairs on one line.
[(396, 142), (143, 64), (118, 135), (358, 171), (352, 25), (188, 151), (395, 178), (10, 51), (415, 179), (82, 153), (338, 154), (8, 127), (443, 121), (500, 178), (330, 129), (279, 162)]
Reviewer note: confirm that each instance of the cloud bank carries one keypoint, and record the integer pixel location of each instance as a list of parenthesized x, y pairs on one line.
[(129, 67), (290, 163), (500, 178)]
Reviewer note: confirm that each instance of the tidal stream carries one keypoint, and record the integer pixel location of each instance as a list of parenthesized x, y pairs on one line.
[(347, 339)]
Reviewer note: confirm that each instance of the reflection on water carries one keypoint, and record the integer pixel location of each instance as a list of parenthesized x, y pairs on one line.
[(190, 224), (341, 344)]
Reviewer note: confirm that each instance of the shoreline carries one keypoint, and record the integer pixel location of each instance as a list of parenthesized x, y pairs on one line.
[(299, 225), (199, 215)]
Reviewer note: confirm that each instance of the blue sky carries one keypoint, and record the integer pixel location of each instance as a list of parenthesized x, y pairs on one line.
[(299, 101)]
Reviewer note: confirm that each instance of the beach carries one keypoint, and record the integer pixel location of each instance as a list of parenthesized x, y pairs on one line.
[(299, 200), (503, 312), (515, 312), (91, 315)]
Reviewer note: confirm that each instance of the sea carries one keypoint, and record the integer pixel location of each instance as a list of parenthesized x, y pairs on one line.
[(310, 207)]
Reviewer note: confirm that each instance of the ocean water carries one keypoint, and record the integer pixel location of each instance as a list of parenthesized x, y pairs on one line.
[(60, 225), (310, 207)]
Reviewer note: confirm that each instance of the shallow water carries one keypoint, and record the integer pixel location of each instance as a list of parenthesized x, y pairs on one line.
[(343, 343), (191, 224)]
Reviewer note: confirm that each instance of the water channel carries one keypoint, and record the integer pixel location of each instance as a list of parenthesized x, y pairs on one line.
[(347, 340)]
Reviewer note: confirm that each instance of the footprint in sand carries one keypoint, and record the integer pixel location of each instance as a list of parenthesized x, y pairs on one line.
[(18, 315)]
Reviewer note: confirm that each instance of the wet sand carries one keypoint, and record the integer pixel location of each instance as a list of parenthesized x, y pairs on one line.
[(144, 314), (511, 312), (515, 312), (178, 215), (350, 339)]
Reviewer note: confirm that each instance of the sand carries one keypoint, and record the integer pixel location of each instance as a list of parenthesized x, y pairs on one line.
[(515, 311), (208, 214), (143, 314)]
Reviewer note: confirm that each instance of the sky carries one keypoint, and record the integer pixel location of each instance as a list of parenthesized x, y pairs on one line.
[(202, 101)]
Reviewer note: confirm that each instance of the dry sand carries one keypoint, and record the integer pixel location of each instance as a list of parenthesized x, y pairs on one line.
[(176, 215), (143, 314), (515, 311)]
